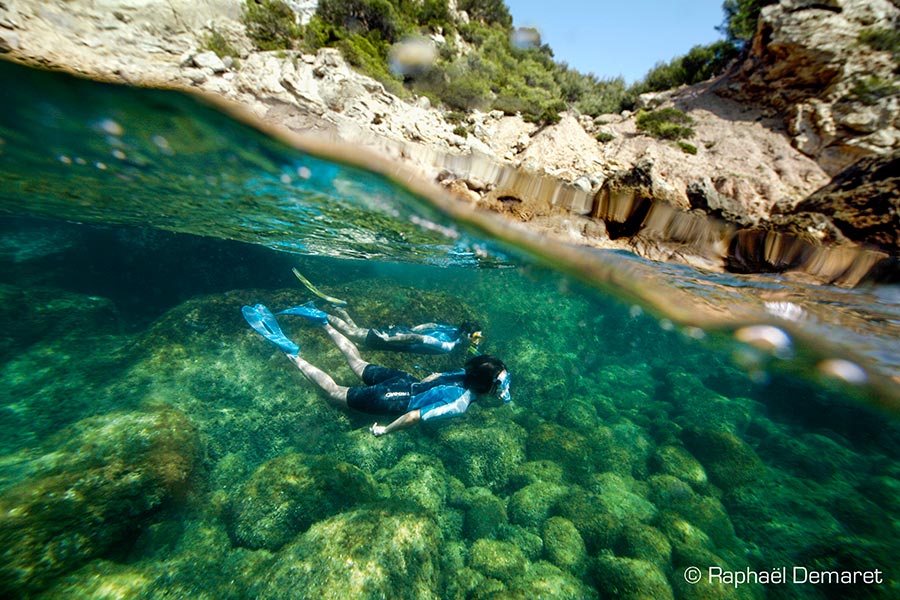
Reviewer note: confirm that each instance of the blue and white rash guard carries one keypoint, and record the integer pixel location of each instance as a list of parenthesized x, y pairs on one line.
[(429, 338), (442, 397)]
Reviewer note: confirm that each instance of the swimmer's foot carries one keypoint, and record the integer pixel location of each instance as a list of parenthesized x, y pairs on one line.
[(308, 312), (263, 322)]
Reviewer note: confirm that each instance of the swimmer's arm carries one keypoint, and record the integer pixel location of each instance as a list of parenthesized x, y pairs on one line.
[(402, 422)]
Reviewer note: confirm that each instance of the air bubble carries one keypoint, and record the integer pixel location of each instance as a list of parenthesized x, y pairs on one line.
[(843, 369), (764, 337)]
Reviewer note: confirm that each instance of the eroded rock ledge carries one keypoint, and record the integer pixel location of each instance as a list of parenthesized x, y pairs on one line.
[(735, 205)]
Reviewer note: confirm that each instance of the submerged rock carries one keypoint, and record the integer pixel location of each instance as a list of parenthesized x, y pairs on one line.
[(483, 454), (288, 494), (97, 481), (728, 460), (629, 578), (563, 545), (366, 554), (493, 558)]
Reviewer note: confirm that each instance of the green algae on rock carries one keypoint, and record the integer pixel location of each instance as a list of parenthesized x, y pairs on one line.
[(286, 495), (95, 485), (365, 554)]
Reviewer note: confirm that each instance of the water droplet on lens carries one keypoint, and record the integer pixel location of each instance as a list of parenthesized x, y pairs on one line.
[(764, 337), (525, 38), (111, 127), (412, 56), (843, 369)]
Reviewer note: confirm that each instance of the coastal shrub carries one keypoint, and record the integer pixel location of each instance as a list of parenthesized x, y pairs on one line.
[(869, 90), (699, 64), (604, 136), (363, 16), (271, 24), (665, 124), (218, 43), (884, 40), (435, 15), (741, 17), (687, 148), (489, 12)]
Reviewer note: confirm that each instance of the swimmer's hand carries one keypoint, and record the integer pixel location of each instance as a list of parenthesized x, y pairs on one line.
[(378, 430)]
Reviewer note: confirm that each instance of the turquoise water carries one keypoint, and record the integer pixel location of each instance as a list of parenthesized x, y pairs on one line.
[(152, 445)]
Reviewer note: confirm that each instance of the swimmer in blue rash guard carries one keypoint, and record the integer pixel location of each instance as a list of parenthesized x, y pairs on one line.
[(392, 392), (388, 391), (427, 338)]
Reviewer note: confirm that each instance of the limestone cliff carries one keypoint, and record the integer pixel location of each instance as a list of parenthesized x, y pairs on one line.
[(628, 191), (820, 66)]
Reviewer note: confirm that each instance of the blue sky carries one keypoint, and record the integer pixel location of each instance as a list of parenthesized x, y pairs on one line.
[(619, 37)]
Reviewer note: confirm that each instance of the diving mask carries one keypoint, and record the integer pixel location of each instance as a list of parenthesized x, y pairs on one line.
[(502, 383)]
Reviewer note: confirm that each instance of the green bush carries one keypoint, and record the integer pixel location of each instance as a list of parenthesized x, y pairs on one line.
[(741, 17), (699, 64), (369, 55), (364, 16), (218, 43), (884, 40), (870, 90), (489, 12), (271, 24), (435, 14), (687, 148), (604, 137), (665, 124)]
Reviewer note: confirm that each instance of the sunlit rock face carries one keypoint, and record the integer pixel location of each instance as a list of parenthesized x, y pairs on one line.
[(811, 61), (863, 202)]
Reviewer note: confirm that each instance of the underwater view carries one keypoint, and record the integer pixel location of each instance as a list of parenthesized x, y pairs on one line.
[(671, 433)]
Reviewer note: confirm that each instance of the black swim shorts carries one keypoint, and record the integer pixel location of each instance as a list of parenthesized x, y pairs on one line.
[(387, 391)]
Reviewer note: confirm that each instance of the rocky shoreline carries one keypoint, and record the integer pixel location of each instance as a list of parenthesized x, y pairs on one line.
[(769, 134)]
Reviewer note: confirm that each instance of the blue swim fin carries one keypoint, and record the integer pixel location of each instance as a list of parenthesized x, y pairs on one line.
[(263, 322), (308, 311)]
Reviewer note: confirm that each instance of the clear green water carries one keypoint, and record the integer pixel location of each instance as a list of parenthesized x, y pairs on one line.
[(153, 446)]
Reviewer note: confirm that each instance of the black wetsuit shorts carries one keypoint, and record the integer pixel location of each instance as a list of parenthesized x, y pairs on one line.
[(387, 391)]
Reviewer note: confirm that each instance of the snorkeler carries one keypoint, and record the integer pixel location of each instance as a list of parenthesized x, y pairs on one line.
[(427, 338), (387, 391)]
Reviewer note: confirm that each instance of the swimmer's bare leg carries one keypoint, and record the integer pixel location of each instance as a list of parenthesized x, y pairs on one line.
[(337, 394), (348, 348), (345, 325)]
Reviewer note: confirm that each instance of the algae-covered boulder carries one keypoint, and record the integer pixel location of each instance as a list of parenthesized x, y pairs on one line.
[(364, 554), (563, 545), (97, 481), (729, 461), (598, 527), (569, 449), (496, 559), (485, 513), (534, 471), (629, 578), (705, 512), (645, 543), (418, 480), (288, 494), (678, 462), (533, 504), (531, 544), (547, 582), (482, 452)]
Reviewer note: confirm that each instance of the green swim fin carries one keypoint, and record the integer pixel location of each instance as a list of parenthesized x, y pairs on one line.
[(330, 299)]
